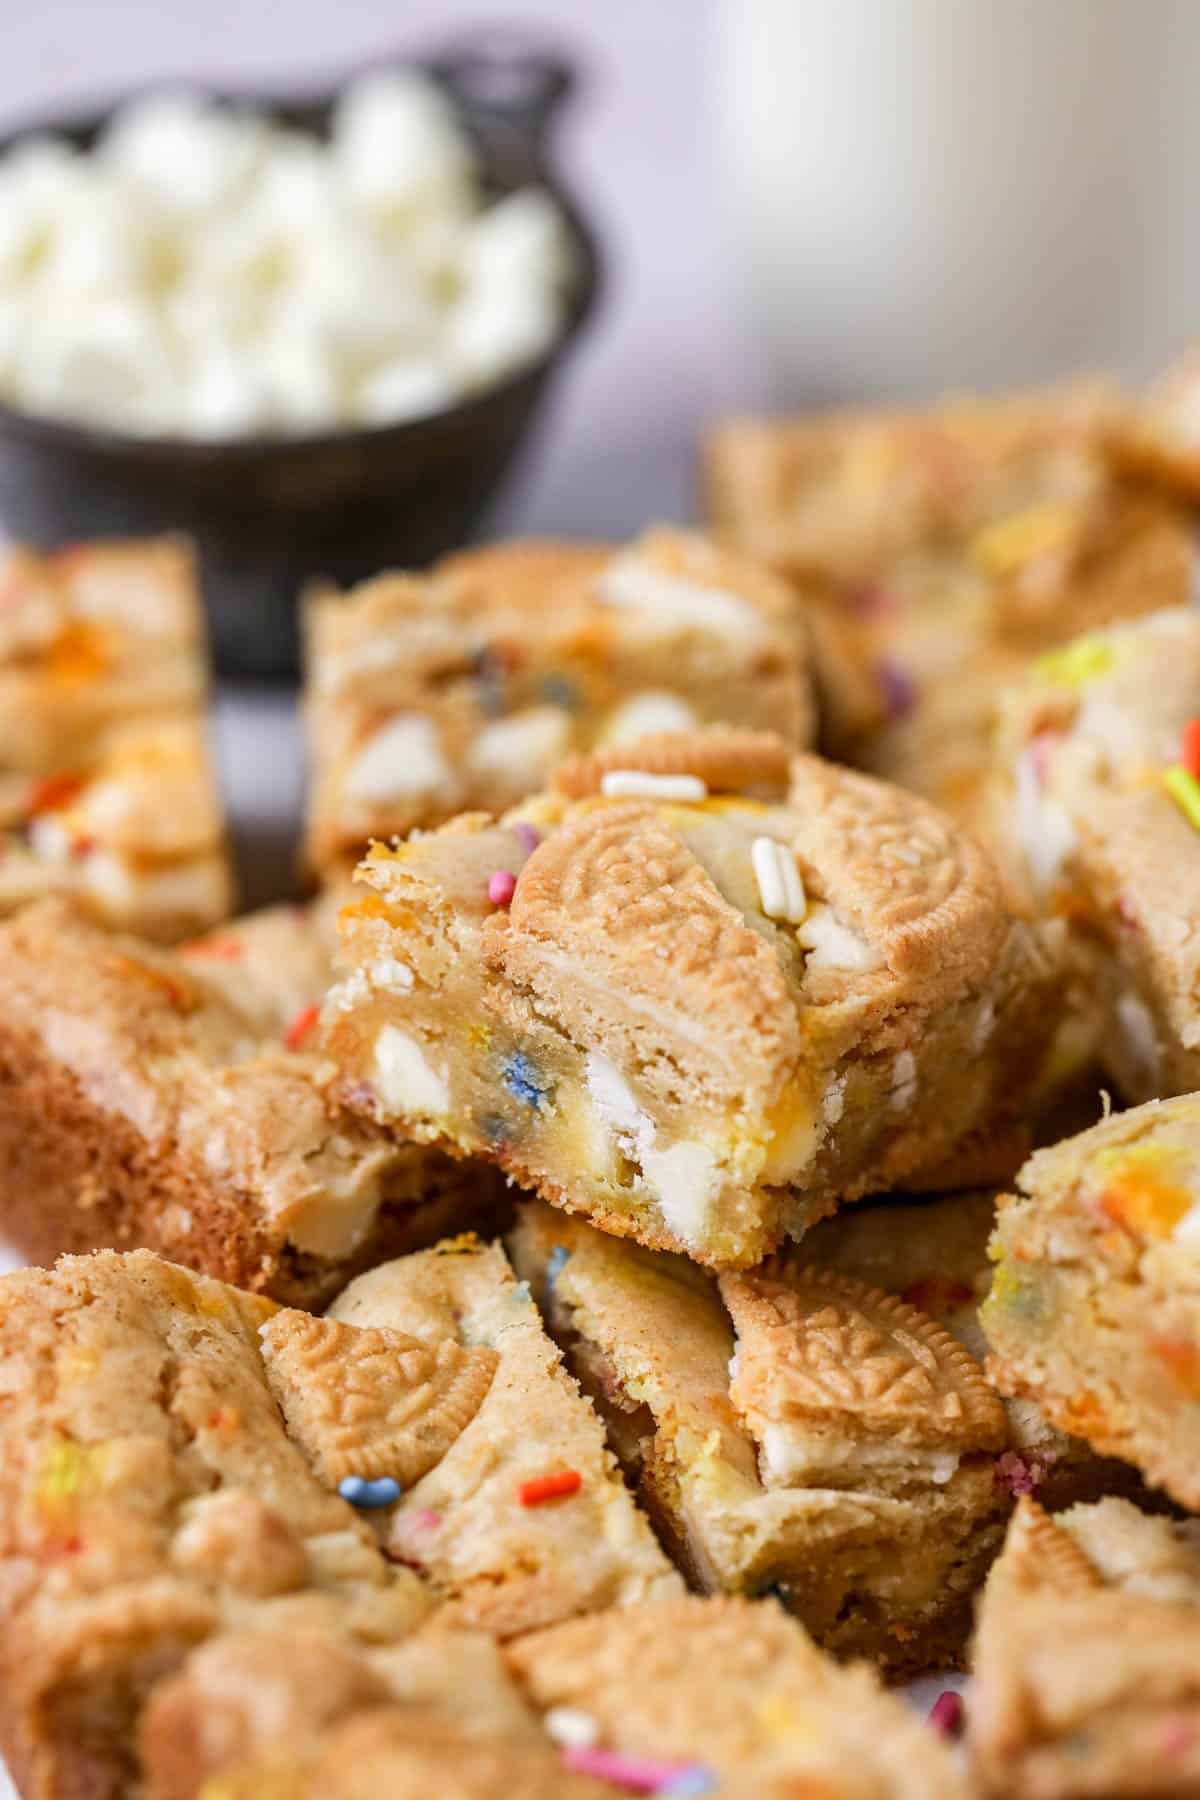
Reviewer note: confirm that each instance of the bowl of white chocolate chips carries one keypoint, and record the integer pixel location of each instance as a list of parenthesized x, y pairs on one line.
[(312, 332)]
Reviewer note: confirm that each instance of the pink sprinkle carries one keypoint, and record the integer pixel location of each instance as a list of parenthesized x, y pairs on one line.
[(1013, 1473), (528, 836), (501, 887), (899, 693), (946, 1714), (644, 1774), (1040, 747), (1176, 1737), (426, 1520)]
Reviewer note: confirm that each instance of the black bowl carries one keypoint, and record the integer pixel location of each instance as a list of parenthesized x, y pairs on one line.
[(270, 514)]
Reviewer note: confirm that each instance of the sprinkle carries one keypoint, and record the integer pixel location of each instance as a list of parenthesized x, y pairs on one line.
[(52, 793), (946, 1714), (1184, 790), (1075, 664), (558, 1486), (694, 1780), (643, 1774), (301, 1025), (225, 949), (1015, 1474), (560, 690), (369, 1494), (426, 1519), (1189, 754), (519, 1076), (527, 835), (501, 887), (556, 1262), (571, 1727), (1176, 1737), (780, 889), (899, 690), (637, 784)]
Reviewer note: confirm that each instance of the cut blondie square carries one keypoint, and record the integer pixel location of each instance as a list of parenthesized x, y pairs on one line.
[(150, 1498), (462, 690), (820, 1427), (682, 1696), (142, 1102), (525, 1520), (1087, 1658), (671, 998), (106, 786), (1094, 1312), (1095, 809)]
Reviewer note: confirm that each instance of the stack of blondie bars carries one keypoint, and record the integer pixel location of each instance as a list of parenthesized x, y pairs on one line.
[(694, 1220)]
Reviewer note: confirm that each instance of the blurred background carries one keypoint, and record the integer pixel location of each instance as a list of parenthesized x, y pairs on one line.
[(797, 201)]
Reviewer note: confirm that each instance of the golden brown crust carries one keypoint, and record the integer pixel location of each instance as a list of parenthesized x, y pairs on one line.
[(372, 1402)]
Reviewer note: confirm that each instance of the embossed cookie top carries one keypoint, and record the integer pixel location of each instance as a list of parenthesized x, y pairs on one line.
[(1038, 1553), (819, 1352), (370, 1401), (727, 761)]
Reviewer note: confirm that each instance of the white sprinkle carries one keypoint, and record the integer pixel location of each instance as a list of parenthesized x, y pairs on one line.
[(571, 1727), (780, 888), (623, 783)]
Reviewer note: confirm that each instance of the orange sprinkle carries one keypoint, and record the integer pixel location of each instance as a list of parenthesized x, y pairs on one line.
[(1189, 754), (53, 792), (301, 1025), (225, 1418), (225, 949), (1182, 1357), (550, 1487), (1145, 1204)]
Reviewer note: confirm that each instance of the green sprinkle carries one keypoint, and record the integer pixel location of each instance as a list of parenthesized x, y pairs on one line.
[(1075, 664), (1184, 790)]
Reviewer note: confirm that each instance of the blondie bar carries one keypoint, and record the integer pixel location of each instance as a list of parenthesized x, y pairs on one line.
[(151, 1497), (686, 1696), (462, 690), (525, 1520), (670, 998), (790, 1430), (1094, 1311), (142, 1105), (1087, 1658), (106, 787), (1095, 810)]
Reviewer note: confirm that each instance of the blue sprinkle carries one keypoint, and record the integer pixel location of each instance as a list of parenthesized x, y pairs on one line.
[(521, 1293), (696, 1780), (361, 1492), (560, 690), (556, 1262), (519, 1076)]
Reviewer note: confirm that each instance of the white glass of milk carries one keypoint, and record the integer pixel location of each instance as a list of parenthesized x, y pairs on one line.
[(922, 194)]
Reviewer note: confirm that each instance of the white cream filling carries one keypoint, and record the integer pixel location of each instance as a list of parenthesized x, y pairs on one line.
[(780, 889), (793, 1458), (402, 758), (405, 1079), (642, 714), (833, 945), (524, 747), (631, 582)]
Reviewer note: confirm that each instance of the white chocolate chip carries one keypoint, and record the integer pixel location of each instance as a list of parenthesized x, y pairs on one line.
[(780, 889), (832, 945), (684, 1181), (630, 581), (524, 747), (1045, 831), (642, 714), (904, 1080), (404, 1078), (571, 1727), (636, 783), (401, 759)]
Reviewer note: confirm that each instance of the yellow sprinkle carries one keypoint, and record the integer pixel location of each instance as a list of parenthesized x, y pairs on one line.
[(1184, 790), (780, 1719), (479, 1037), (1076, 663), (1005, 547)]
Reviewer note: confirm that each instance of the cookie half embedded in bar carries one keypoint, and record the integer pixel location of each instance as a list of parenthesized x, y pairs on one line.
[(701, 1009), (1087, 1657)]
